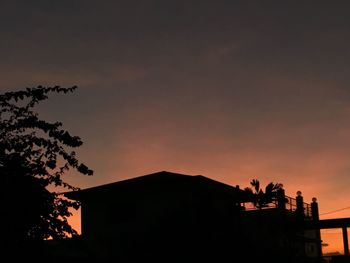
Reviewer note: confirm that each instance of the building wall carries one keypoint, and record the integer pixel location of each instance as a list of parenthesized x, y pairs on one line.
[(183, 221), (194, 222), (135, 220), (279, 233)]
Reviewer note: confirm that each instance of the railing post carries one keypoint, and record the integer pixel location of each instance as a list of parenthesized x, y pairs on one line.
[(314, 209), (281, 199), (345, 241), (316, 217), (300, 204)]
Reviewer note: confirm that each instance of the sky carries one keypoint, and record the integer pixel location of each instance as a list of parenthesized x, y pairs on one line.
[(232, 90)]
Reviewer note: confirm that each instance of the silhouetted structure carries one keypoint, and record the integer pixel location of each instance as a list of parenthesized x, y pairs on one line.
[(170, 217)]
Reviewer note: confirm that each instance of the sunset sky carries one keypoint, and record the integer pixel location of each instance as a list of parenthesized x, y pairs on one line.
[(232, 90)]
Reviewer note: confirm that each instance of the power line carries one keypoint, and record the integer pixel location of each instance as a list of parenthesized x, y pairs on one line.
[(334, 211)]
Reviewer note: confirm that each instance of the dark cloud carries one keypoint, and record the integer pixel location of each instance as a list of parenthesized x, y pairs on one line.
[(231, 89)]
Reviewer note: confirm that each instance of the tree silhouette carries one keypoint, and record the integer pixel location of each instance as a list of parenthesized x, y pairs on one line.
[(262, 198), (34, 155)]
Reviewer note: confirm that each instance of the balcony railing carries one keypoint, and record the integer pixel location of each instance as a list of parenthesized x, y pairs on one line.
[(290, 204)]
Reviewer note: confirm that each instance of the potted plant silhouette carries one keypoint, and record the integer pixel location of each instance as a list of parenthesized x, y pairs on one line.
[(260, 198)]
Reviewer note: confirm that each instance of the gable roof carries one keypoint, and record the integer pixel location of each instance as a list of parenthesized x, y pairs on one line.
[(159, 179)]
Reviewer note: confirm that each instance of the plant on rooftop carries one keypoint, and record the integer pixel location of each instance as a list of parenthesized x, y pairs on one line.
[(261, 198)]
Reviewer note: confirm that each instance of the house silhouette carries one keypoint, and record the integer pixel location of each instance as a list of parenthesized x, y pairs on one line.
[(171, 217)]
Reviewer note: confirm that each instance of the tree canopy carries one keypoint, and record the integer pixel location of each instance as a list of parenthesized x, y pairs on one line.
[(34, 155)]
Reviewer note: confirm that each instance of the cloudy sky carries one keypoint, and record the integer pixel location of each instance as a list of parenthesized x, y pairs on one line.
[(233, 90)]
